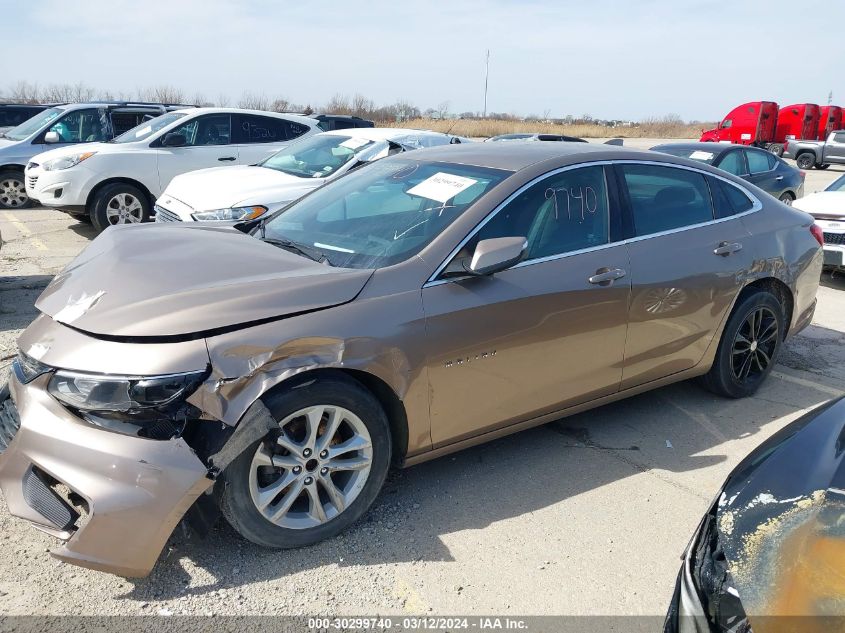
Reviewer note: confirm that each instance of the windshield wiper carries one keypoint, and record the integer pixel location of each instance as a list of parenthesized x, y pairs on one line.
[(311, 253)]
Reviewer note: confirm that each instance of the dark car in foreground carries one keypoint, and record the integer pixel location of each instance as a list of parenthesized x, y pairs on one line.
[(772, 174), (421, 304), (770, 553)]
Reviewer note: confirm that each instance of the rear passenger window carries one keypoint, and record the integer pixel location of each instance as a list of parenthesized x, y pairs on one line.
[(265, 129), (727, 199), (733, 163), (666, 198), (758, 162)]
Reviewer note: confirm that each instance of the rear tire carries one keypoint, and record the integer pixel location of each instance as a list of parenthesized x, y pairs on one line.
[(119, 203), (271, 503), (787, 198), (776, 149), (749, 346), (807, 160), (13, 190)]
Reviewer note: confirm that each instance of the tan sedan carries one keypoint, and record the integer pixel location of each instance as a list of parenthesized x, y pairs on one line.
[(412, 308)]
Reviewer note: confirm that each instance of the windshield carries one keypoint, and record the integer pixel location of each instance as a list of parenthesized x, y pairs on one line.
[(317, 156), (702, 156), (33, 125), (837, 185), (383, 213), (146, 129)]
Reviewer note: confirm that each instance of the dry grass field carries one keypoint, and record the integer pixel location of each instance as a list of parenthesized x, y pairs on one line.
[(482, 128)]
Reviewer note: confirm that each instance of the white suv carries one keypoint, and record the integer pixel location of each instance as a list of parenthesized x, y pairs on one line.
[(118, 181)]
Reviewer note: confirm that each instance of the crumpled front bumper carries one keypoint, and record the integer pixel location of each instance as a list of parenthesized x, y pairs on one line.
[(136, 490)]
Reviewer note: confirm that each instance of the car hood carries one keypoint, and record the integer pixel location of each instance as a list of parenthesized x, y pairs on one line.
[(6, 142), (222, 187), (780, 519), (159, 280), (825, 204)]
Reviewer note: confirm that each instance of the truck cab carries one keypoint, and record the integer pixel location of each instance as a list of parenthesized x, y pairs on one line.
[(830, 120), (796, 121), (751, 123)]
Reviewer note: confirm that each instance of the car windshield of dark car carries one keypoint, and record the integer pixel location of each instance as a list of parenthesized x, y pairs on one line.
[(146, 129), (33, 125), (383, 213), (837, 185), (702, 156), (317, 156)]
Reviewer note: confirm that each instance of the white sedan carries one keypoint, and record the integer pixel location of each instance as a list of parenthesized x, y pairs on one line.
[(828, 208), (247, 192), (118, 181)]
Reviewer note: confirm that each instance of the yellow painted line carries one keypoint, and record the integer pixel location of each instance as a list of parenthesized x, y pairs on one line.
[(20, 226)]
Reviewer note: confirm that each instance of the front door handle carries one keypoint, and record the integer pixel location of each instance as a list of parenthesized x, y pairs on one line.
[(726, 248), (606, 276), (226, 158)]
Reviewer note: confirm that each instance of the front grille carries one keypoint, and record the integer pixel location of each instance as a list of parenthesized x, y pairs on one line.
[(163, 215), (10, 422), (834, 238)]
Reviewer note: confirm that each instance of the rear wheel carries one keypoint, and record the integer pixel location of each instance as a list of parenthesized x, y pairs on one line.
[(749, 346), (119, 203), (13, 190), (807, 160), (787, 198), (317, 473), (776, 149)]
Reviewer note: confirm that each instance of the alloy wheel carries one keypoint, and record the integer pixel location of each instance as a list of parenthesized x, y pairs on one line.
[(313, 468), (754, 345), (124, 208), (12, 193)]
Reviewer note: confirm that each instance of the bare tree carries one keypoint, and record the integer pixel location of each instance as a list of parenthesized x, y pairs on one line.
[(339, 104), (280, 104), (222, 100), (443, 109), (250, 101)]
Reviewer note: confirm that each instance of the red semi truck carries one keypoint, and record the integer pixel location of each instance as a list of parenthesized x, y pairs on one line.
[(830, 120), (796, 121), (751, 123)]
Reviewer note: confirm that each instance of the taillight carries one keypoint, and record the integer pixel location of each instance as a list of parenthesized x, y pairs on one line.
[(803, 174), (817, 232), (785, 145)]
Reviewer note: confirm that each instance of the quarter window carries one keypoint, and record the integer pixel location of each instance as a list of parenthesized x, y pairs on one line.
[(562, 213), (211, 129), (265, 129), (666, 198), (758, 162)]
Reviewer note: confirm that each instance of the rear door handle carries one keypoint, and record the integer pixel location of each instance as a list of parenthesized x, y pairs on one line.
[(226, 158), (726, 248), (606, 276), (779, 178)]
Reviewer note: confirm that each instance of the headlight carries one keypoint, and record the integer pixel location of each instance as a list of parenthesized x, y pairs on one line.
[(28, 369), (100, 392), (235, 213), (66, 162)]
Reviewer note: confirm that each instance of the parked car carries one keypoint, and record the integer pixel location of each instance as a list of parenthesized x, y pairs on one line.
[(828, 208), (770, 173), (330, 122), (797, 121), (768, 555), (535, 136), (118, 182), (13, 114), (60, 126), (246, 192), (424, 303), (818, 154), (752, 123)]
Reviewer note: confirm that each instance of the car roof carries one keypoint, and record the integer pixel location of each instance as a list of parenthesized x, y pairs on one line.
[(280, 115), (516, 156), (713, 148), (381, 133)]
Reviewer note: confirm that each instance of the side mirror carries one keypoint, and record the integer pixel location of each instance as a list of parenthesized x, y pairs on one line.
[(52, 137), (496, 254), (172, 139)]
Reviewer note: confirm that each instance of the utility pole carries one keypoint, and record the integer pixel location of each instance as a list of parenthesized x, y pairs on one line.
[(830, 97), (486, 77)]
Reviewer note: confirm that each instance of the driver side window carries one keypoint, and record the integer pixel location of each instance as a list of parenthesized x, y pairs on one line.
[(560, 214), (80, 126), (211, 129)]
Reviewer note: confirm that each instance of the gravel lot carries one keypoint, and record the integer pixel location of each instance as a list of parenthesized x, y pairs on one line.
[(583, 516)]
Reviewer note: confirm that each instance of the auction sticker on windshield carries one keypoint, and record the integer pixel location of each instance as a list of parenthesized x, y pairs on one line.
[(701, 155), (441, 186), (354, 143)]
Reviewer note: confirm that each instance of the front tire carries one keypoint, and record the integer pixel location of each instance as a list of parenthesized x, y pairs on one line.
[(807, 160), (749, 346), (315, 475), (13, 190), (119, 203)]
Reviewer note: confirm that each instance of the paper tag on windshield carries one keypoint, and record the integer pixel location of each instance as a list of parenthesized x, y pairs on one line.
[(701, 155), (441, 186), (354, 143)]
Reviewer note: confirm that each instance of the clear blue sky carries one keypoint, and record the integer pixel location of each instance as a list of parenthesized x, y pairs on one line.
[(609, 58)]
